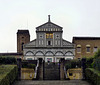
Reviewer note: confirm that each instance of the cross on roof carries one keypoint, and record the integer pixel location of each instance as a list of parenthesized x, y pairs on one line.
[(48, 18)]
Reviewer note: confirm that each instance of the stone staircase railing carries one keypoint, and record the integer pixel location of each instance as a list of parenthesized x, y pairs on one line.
[(36, 70)]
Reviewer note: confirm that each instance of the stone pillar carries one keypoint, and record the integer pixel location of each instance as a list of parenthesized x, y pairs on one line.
[(43, 69), (19, 68), (62, 69)]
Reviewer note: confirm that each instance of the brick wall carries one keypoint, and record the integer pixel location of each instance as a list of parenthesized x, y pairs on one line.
[(83, 43), (23, 36)]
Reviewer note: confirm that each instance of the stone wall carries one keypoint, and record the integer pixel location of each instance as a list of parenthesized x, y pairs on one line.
[(83, 43), (23, 37)]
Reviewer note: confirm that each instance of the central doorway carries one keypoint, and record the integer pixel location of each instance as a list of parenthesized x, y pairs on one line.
[(49, 59)]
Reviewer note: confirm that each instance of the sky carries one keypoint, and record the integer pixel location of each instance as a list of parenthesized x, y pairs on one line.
[(77, 17)]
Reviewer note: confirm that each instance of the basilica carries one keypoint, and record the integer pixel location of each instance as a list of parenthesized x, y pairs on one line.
[(48, 45)]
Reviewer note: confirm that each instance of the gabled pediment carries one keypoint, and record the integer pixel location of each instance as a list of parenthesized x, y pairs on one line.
[(48, 25)]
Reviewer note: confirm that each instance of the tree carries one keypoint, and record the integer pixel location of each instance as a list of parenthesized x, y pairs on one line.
[(97, 54)]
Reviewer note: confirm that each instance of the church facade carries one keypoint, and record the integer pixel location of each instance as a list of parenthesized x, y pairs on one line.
[(49, 44)]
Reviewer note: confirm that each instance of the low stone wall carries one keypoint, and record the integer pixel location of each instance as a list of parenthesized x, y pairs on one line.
[(74, 73), (27, 73)]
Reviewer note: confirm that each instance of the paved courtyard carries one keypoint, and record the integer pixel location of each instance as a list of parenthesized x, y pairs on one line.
[(65, 82)]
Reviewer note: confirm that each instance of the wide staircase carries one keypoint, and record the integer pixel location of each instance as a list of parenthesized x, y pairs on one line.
[(51, 71)]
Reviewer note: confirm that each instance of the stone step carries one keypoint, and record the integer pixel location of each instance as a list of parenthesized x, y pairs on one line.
[(67, 82), (51, 71)]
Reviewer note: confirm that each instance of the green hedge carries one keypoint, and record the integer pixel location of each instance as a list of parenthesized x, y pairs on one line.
[(7, 60), (8, 73), (93, 76), (89, 62), (25, 65), (73, 64), (96, 64)]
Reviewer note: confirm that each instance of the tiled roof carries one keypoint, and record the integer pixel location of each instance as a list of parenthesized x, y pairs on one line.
[(23, 32), (85, 38)]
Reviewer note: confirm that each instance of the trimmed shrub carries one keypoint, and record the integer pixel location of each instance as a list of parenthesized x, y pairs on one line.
[(97, 64), (68, 66), (73, 64), (8, 60), (97, 54), (93, 76), (25, 65), (8, 74), (31, 66), (89, 62)]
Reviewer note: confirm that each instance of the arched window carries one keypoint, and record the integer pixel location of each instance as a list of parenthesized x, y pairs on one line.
[(22, 45), (95, 49), (87, 48), (39, 53), (29, 53), (78, 48), (59, 53), (69, 53), (22, 37), (49, 53), (49, 43)]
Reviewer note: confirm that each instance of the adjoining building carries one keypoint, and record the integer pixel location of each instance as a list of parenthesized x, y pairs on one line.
[(86, 46), (23, 37), (48, 45)]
